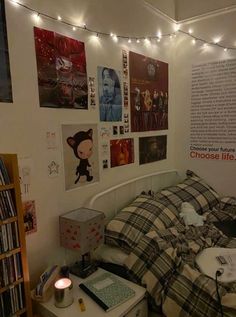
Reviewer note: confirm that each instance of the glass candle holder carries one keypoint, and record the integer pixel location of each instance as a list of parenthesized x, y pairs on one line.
[(63, 294)]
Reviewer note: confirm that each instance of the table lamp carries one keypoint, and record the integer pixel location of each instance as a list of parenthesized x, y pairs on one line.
[(82, 230)]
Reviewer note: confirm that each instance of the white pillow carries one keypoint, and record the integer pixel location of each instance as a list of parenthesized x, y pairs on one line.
[(106, 253)]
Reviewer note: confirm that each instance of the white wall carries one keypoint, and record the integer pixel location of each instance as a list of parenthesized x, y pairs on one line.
[(220, 174), (167, 7), (186, 9), (24, 123)]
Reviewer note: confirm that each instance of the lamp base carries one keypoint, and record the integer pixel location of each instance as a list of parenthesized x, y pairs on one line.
[(83, 269)]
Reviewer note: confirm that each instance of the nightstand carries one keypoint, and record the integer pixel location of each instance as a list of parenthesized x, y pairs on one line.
[(134, 307)]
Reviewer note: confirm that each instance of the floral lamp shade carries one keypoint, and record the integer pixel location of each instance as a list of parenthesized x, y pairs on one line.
[(82, 229)]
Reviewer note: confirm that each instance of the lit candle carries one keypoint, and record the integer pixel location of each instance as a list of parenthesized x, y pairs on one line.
[(63, 292), (63, 283)]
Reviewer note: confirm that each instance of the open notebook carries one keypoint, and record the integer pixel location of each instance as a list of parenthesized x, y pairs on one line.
[(107, 290)]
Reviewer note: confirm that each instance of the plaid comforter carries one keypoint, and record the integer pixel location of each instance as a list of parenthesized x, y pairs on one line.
[(163, 261)]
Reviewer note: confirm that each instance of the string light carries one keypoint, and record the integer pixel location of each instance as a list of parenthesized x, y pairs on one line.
[(158, 37)]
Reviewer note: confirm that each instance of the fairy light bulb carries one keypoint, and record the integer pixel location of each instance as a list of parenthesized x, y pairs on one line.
[(115, 38), (176, 27), (129, 41), (36, 16), (74, 28), (190, 31), (216, 40), (59, 18), (193, 41), (137, 41), (14, 2)]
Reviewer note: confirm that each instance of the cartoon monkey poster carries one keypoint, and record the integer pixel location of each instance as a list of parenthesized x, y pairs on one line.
[(80, 146)]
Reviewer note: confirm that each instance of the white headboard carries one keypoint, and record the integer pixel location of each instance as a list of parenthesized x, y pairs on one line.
[(115, 198)]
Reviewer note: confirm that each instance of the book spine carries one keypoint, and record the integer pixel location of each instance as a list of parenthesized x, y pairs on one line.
[(6, 179)]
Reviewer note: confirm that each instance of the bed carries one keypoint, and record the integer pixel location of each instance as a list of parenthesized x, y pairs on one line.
[(147, 236)]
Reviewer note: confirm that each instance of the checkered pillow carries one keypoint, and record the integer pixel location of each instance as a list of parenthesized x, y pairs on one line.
[(193, 190), (228, 203), (144, 214)]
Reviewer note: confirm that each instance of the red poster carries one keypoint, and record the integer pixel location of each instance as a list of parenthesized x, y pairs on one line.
[(62, 75), (122, 152), (148, 93)]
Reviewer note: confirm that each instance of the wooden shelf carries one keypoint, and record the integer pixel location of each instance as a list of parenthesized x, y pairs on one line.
[(6, 187), (11, 164), (9, 253), (8, 220), (5, 288)]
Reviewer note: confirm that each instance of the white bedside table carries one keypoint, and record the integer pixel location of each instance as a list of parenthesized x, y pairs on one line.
[(134, 307)]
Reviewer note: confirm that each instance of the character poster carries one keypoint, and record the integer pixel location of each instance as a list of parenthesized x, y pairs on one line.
[(110, 97), (5, 75), (122, 152), (152, 149), (148, 93), (62, 75), (80, 147)]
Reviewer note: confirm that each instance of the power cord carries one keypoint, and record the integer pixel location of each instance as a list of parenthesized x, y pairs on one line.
[(219, 272)]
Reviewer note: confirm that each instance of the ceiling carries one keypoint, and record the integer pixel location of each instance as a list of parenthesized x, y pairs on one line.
[(181, 10)]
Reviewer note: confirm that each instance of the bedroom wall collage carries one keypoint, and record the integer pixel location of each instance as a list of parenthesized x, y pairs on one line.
[(46, 126)]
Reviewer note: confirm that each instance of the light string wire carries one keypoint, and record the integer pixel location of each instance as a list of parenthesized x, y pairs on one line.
[(129, 38)]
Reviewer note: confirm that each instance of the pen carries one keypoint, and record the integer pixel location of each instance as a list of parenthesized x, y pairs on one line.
[(81, 304)]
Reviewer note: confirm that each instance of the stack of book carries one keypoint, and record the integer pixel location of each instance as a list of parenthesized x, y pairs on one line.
[(10, 270), (11, 301), (4, 177), (7, 207), (9, 237)]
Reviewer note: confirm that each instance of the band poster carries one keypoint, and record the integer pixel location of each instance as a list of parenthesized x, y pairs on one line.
[(62, 74), (5, 78), (148, 93), (80, 147)]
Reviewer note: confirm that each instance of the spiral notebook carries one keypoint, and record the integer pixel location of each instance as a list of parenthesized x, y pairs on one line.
[(107, 291)]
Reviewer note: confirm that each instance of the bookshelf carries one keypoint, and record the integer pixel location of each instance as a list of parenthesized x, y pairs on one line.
[(15, 299)]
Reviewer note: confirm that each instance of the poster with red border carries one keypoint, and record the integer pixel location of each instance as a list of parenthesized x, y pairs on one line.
[(30, 221), (122, 152), (62, 74)]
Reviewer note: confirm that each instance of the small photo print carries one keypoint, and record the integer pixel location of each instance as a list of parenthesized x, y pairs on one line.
[(122, 152), (152, 149), (29, 213), (115, 130), (105, 164), (122, 130)]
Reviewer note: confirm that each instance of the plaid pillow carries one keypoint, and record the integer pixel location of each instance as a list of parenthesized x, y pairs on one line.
[(228, 203), (144, 214), (193, 190)]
